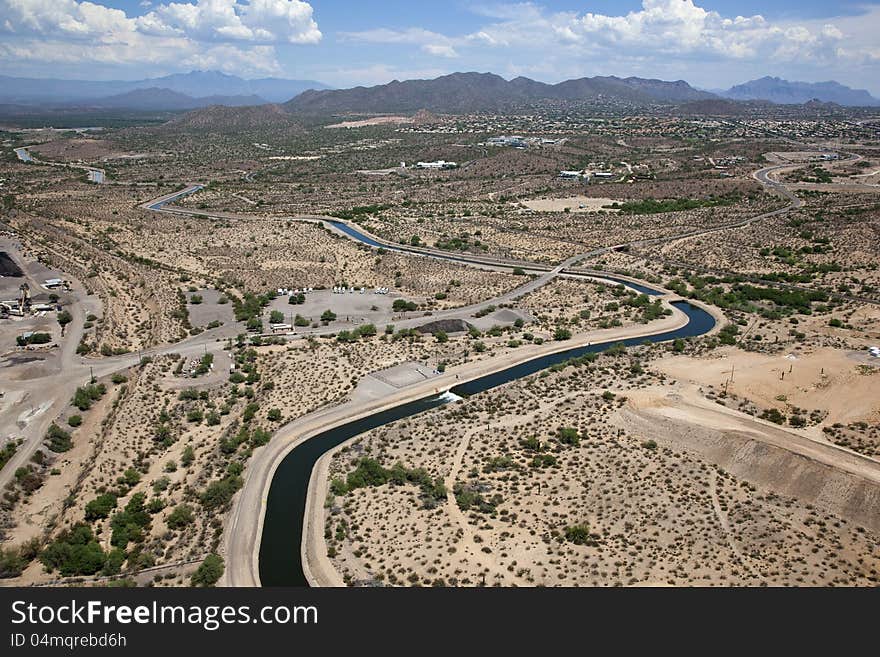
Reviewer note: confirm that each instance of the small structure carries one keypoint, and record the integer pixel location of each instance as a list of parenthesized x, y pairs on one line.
[(438, 164), (24, 297), (11, 307), (513, 141)]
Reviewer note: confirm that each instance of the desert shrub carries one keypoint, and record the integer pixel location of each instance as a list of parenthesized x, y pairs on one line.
[(59, 439), (218, 494), (562, 334), (773, 415), (180, 517), (209, 571), (129, 524), (578, 534), (101, 506), (74, 552), (568, 436), (86, 395), (12, 564)]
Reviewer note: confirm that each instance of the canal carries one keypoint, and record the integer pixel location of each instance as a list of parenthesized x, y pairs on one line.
[(280, 547)]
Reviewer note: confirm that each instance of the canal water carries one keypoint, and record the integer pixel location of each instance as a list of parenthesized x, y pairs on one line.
[(638, 287), (23, 155), (280, 560), (158, 205), (280, 548), (353, 232)]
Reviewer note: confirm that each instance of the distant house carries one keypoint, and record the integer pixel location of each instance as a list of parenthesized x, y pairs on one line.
[(514, 141), (438, 164)]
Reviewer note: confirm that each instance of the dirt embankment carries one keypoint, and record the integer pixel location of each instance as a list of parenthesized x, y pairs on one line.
[(835, 480)]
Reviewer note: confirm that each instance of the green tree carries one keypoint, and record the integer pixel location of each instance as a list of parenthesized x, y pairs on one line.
[(12, 564), (568, 436), (101, 506), (74, 552), (209, 571), (180, 517), (562, 334), (64, 318)]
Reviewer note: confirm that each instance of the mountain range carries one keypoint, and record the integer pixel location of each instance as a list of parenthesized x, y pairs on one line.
[(456, 93), (195, 86), (777, 90), (472, 92), (476, 92)]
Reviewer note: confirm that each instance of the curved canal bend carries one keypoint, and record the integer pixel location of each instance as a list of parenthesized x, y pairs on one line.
[(280, 559), (280, 555)]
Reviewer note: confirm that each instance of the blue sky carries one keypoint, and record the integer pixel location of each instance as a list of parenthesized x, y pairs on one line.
[(711, 44)]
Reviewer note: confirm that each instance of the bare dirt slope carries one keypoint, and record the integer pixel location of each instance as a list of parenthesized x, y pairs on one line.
[(814, 472)]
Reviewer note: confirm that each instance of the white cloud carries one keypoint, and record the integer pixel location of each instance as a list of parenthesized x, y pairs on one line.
[(439, 50), (229, 35), (677, 28), (431, 43), (370, 74), (64, 19), (256, 60), (662, 38), (668, 28), (265, 21)]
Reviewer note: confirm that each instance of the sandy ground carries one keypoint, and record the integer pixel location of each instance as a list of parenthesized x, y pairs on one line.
[(827, 379), (376, 120), (573, 203), (795, 156)]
